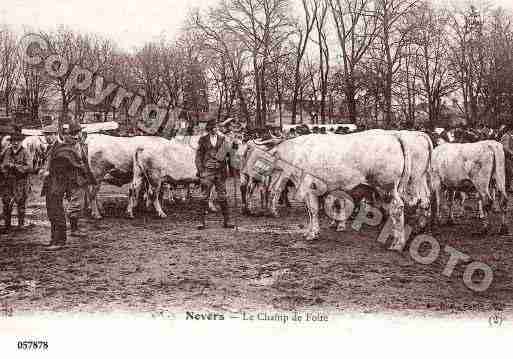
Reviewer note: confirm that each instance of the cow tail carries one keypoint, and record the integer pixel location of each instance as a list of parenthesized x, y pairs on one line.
[(406, 175), (429, 168), (498, 171)]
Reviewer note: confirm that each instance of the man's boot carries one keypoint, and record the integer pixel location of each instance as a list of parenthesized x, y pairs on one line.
[(52, 235), (203, 219), (75, 231), (21, 220), (61, 236), (58, 237), (226, 215)]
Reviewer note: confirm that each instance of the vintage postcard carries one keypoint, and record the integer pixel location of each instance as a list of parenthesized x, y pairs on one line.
[(256, 178)]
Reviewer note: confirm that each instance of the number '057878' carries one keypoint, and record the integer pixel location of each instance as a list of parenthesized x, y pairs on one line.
[(32, 345)]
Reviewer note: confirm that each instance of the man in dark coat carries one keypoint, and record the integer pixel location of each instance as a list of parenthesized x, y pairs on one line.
[(15, 168), (212, 166), (67, 174)]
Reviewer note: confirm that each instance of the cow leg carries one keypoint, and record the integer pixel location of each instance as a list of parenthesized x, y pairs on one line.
[(312, 206), (86, 205), (189, 194), (155, 195), (183, 194), (211, 201), (244, 200), (336, 208), (485, 204), (276, 186), (452, 199), (285, 195), (133, 195), (252, 185), (262, 198), (166, 193), (243, 186), (495, 205), (274, 198), (436, 197), (93, 200), (397, 218), (267, 192), (148, 196), (480, 208), (503, 205)]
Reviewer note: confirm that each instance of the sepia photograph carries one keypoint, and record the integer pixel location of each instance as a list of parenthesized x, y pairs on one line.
[(329, 173)]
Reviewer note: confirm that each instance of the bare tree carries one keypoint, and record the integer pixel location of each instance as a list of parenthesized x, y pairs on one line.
[(228, 46), (393, 37), (302, 32), (9, 67), (324, 55), (261, 25), (436, 81), (357, 27), (498, 81), (468, 54)]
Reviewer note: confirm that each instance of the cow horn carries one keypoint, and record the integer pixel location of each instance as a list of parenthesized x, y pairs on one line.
[(273, 141), (272, 136)]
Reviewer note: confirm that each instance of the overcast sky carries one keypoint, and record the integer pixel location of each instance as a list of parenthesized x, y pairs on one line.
[(130, 22)]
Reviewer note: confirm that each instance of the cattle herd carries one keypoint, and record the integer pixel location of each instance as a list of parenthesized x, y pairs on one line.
[(391, 169)]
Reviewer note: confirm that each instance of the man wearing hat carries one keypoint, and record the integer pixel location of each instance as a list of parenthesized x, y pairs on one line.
[(212, 166), (15, 168), (68, 175), (50, 133)]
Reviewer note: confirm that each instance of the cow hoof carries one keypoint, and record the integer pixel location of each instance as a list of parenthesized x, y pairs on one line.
[(162, 215), (340, 228), (97, 216), (130, 215), (311, 237)]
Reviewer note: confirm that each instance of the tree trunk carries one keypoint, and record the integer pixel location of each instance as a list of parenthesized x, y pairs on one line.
[(349, 92), (296, 92)]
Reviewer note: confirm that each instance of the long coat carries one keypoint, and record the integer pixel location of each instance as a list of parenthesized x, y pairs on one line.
[(15, 168), (67, 170), (212, 160)]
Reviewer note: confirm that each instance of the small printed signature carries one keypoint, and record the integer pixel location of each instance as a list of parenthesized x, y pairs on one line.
[(495, 320)]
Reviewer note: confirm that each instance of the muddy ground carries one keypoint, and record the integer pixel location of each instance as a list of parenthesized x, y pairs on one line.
[(150, 264)]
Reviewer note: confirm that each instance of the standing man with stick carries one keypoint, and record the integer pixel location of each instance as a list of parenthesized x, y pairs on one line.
[(68, 175), (15, 168), (212, 166)]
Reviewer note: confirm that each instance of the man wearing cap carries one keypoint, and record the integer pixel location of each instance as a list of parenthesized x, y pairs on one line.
[(67, 176), (50, 133), (15, 168), (212, 169)]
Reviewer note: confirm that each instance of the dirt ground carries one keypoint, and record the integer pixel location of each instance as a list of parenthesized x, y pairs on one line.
[(150, 264)]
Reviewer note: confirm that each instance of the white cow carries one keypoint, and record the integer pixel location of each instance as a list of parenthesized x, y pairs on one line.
[(172, 162), (465, 166), (319, 164), (111, 161)]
